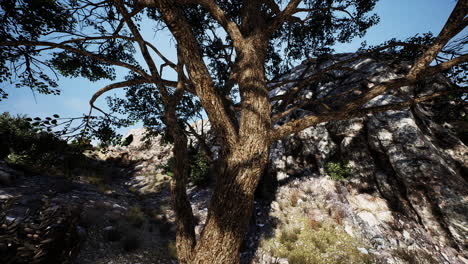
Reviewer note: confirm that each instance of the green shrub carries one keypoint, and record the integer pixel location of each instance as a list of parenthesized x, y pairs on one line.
[(168, 168), (27, 144), (338, 170), (324, 243), (172, 250), (136, 216), (24, 143), (199, 167), (199, 170)]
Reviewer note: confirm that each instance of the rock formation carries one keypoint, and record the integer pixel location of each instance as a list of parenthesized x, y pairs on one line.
[(408, 184)]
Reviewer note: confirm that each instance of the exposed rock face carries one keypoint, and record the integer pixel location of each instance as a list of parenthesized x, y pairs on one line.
[(408, 173), (145, 154)]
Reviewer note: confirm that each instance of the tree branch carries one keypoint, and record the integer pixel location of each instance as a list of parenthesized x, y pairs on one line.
[(144, 51), (455, 24), (288, 11), (199, 74), (446, 65), (308, 121), (125, 84), (231, 28), (77, 51)]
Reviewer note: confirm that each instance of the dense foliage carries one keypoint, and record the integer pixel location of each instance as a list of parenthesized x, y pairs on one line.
[(200, 167), (26, 145), (334, 22)]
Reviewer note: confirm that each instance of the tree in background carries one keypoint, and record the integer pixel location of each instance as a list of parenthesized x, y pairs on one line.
[(229, 54)]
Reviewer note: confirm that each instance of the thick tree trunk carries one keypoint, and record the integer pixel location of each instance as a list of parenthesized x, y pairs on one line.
[(246, 146), (239, 173), (231, 205)]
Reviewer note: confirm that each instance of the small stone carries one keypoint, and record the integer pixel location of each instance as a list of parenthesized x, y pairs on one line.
[(5, 196), (349, 230), (139, 167), (363, 251), (275, 206), (406, 235), (107, 228), (369, 218)]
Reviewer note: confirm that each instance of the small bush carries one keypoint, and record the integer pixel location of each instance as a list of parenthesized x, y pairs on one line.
[(313, 224), (135, 216), (127, 141), (293, 198), (168, 168), (288, 237), (26, 144), (338, 170), (199, 169), (172, 250)]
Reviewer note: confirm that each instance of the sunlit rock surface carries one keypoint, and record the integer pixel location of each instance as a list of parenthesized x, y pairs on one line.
[(407, 187)]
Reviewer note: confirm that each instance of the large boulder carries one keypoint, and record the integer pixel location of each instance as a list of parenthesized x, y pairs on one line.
[(417, 166)]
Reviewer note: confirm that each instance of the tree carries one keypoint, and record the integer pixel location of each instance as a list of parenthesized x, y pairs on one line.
[(229, 53)]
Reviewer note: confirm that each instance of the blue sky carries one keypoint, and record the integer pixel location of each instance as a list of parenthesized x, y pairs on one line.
[(398, 19)]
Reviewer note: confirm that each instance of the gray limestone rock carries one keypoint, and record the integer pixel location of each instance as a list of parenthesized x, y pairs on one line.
[(400, 158)]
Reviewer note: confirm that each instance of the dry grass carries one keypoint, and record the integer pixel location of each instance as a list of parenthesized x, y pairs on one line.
[(315, 243), (293, 198)]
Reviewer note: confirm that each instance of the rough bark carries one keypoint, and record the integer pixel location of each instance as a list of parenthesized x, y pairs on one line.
[(185, 229), (240, 167), (230, 207), (212, 102)]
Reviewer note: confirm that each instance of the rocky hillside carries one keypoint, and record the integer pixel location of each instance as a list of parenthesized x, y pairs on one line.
[(385, 188), (396, 179)]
